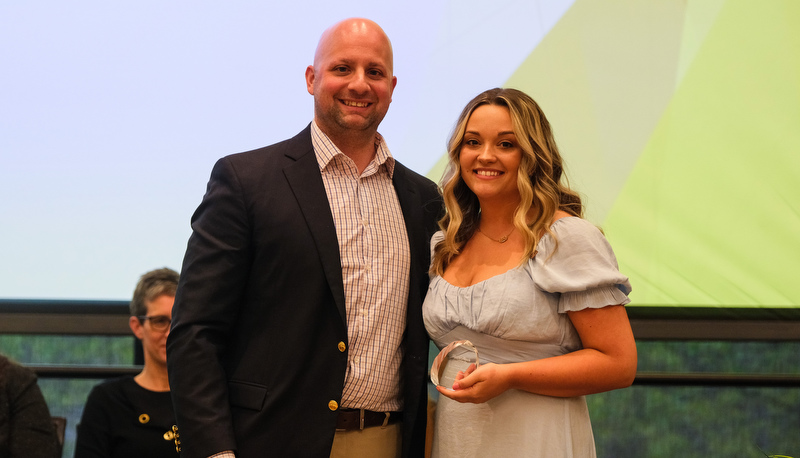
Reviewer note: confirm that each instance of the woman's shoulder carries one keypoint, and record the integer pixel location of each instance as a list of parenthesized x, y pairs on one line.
[(124, 380), (568, 226), (570, 235), (436, 238), (570, 222), (576, 257), (113, 387), (15, 377)]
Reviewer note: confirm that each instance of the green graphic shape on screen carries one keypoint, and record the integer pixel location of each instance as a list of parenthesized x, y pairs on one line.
[(680, 125)]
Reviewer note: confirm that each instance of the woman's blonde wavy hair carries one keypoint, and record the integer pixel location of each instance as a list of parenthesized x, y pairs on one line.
[(539, 179)]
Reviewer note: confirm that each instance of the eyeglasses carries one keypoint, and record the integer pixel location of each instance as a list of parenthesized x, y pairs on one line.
[(159, 323)]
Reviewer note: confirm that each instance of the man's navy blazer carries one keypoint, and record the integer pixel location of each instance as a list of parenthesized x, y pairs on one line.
[(254, 352)]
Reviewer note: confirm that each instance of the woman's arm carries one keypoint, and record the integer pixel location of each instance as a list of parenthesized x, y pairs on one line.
[(606, 362)]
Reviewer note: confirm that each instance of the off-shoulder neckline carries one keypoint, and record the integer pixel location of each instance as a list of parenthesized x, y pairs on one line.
[(509, 270)]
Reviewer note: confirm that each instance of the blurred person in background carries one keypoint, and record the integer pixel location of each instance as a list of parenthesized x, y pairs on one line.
[(132, 416), (26, 428)]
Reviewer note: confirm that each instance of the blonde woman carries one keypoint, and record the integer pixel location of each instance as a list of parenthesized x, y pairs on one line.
[(533, 286)]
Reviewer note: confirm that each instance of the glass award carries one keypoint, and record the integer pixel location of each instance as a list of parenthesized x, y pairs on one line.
[(455, 357)]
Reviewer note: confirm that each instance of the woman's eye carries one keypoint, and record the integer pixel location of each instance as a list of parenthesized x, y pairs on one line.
[(506, 145)]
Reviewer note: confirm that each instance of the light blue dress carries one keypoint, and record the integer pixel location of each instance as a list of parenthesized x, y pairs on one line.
[(521, 316)]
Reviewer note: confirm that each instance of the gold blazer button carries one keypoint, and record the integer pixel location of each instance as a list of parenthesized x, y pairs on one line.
[(333, 405)]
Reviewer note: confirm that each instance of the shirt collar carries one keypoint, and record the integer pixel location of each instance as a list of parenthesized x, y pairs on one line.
[(325, 150)]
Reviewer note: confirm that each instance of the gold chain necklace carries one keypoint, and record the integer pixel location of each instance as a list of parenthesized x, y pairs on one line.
[(502, 239)]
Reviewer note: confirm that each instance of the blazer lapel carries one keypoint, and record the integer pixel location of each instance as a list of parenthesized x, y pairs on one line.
[(412, 212), (306, 184)]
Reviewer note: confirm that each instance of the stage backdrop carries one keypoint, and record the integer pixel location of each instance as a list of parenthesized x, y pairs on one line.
[(679, 121)]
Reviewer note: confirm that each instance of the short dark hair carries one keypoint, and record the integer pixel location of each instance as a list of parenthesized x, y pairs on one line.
[(152, 284)]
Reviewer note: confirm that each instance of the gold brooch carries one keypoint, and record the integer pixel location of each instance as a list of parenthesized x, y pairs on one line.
[(177, 438)]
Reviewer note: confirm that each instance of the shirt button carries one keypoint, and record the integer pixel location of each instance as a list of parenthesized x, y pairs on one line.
[(333, 405), (342, 347)]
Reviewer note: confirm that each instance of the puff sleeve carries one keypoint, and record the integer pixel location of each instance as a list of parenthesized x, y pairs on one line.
[(582, 269)]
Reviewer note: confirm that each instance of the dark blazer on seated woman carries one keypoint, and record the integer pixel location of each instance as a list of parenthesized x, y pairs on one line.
[(26, 428), (124, 420)]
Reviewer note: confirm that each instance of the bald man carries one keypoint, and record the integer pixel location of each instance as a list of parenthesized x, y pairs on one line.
[(297, 327)]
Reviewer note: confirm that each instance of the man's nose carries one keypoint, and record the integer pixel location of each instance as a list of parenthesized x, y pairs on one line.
[(358, 83)]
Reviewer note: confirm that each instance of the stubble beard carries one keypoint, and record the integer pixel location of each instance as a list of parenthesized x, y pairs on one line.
[(343, 124)]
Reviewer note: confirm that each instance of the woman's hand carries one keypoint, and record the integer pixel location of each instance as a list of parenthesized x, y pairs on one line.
[(478, 385)]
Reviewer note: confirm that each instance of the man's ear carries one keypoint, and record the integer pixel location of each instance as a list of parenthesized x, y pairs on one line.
[(310, 78)]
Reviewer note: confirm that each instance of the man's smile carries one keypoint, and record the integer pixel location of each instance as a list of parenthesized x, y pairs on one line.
[(351, 103)]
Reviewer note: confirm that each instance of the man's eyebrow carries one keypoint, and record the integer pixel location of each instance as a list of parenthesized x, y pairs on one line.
[(352, 62)]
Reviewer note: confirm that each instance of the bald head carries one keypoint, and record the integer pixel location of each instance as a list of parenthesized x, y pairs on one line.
[(353, 28)]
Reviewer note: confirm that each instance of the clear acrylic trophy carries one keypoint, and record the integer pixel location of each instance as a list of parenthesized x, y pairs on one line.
[(455, 357)]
